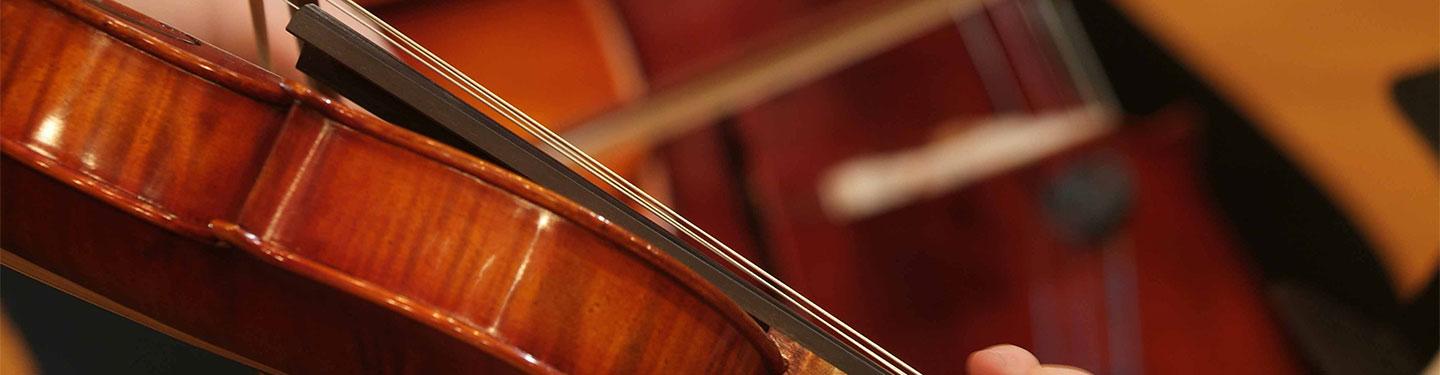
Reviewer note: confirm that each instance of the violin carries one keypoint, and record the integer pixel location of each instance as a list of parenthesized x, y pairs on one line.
[(161, 178)]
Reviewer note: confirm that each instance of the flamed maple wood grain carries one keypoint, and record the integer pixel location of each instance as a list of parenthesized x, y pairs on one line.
[(249, 212)]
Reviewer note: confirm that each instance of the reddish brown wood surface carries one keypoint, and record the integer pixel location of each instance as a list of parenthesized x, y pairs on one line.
[(561, 61), (132, 158)]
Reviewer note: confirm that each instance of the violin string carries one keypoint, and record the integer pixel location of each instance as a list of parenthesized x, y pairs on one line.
[(982, 41), (534, 128), (1073, 43)]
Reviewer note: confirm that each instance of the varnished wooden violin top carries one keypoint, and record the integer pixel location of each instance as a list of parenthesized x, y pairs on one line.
[(175, 184)]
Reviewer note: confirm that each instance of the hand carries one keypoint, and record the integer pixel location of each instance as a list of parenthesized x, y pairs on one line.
[(1012, 360)]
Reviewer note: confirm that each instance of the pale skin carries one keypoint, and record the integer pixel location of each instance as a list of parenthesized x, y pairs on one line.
[(1013, 360)]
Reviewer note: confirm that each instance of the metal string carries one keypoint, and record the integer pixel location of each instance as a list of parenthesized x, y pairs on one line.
[(575, 155)]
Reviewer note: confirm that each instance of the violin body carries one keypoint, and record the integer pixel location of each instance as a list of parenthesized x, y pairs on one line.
[(174, 184)]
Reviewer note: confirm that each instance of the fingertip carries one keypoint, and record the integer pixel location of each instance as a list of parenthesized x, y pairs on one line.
[(1060, 370), (1002, 360)]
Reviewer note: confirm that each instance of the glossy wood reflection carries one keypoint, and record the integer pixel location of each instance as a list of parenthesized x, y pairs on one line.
[(353, 245)]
